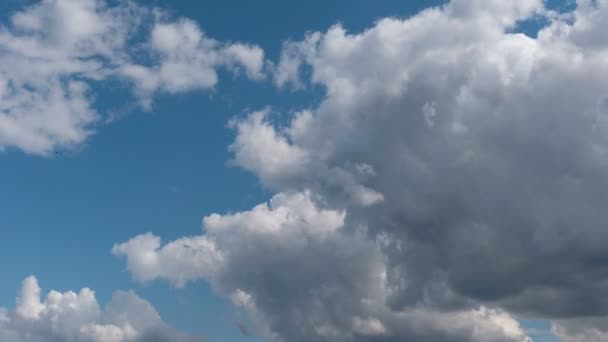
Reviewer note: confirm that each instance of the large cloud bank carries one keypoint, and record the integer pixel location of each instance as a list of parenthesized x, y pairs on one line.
[(55, 54), (301, 275), (77, 317), (453, 175)]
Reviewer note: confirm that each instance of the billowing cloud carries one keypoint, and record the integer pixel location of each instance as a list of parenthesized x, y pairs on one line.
[(464, 165), (71, 316), (54, 53), (301, 275), (487, 146)]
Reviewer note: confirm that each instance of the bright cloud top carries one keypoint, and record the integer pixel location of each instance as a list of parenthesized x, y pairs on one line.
[(71, 316), (464, 165), (54, 53)]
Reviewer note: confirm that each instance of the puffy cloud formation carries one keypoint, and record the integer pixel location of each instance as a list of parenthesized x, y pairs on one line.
[(71, 316), (453, 173), (488, 148), (187, 60), (301, 275), (54, 53)]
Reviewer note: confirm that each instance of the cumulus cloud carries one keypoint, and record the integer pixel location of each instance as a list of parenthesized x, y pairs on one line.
[(487, 146), (180, 261), (301, 275), (54, 53), (186, 59), (278, 163), (71, 316), (464, 164)]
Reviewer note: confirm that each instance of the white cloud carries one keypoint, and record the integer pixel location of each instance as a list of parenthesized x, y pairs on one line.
[(260, 148), (53, 54), (279, 163), (70, 316), (180, 261), (28, 303), (503, 13), (301, 275), (188, 60), (196, 257), (248, 57)]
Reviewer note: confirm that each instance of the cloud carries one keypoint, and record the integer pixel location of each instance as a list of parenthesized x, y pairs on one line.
[(180, 261), (464, 165), (55, 53), (301, 275), (487, 147), (188, 60), (71, 316), (581, 330), (279, 164)]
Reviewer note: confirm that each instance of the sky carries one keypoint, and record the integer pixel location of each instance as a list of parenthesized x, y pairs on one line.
[(303, 171)]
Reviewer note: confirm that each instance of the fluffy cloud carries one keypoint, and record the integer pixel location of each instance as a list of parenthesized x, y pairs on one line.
[(54, 53), (186, 59), (487, 146), (71, 316), (180, 261), (301, 275), (464, 165)]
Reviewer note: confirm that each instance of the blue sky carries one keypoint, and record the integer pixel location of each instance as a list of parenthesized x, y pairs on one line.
[(163, 167)]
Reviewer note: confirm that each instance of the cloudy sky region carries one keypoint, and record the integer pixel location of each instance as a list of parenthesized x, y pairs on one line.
[(295, 171)]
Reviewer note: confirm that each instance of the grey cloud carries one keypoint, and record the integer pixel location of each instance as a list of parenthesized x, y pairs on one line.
[(300, 274), (500, 197), (581, 330)]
